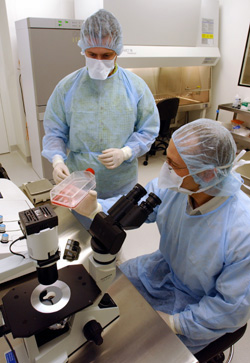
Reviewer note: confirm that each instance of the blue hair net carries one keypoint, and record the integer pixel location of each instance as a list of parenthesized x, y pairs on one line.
[(101, 29), (209, 150)]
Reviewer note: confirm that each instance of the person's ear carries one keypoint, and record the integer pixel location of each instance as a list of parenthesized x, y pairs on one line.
[(207, 175)]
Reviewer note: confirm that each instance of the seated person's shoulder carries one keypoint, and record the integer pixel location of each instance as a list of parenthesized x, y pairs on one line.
[(239, 215), (242, 201)]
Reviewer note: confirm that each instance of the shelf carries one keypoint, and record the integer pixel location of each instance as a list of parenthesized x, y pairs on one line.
[(243, 140), (228, 107)]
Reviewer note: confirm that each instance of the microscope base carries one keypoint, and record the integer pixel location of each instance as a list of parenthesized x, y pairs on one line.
[(59, 349), (74, 291), (84, 316)]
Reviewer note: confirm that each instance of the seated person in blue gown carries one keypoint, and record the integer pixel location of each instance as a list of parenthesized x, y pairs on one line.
[(198, 280)]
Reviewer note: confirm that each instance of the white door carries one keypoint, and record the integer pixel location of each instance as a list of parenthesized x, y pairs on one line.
[(4, 145)]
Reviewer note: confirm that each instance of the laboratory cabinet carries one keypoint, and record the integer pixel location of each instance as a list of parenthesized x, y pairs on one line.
[(47, 51)]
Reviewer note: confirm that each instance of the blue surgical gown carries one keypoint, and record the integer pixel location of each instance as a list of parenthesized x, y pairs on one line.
[(85, 116), (202, 267)]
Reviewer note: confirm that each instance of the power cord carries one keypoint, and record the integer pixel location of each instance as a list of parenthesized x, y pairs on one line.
[(15, 253), (15, 220)]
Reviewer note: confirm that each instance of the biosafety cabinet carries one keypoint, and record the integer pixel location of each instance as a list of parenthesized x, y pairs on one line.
[(172, 46)]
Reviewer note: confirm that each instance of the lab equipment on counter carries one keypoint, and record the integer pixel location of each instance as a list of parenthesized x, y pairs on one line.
[(72, 250), (73, 189), (12, 201), (245, 104), (236, 102), (70, 306), (38, 191)]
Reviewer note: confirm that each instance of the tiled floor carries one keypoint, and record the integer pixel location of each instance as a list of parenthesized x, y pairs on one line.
[(141, 241)]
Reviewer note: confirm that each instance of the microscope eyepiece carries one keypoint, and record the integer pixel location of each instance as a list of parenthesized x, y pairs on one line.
[(136, 193), (153, 200), (107, 230)]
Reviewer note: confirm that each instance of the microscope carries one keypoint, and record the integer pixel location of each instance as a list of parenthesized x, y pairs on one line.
[(65, 308)]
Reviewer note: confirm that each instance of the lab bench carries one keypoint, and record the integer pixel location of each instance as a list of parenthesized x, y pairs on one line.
[(137, 335)]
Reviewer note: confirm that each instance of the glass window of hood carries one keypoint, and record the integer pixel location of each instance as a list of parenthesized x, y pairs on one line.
[(192, 85)]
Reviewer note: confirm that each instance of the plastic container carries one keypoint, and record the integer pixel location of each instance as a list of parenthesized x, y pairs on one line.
[(237, 102), (245, 104), (71, 191)]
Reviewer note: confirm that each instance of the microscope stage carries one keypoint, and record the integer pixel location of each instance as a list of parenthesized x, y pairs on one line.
[(26, 320)]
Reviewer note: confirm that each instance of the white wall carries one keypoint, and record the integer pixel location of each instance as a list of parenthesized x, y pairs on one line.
[(234, 25), (84, 8), (10, 11)]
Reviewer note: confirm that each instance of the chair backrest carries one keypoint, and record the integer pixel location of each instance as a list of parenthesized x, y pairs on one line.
[(3, 172), (220, 345), (167, 110)]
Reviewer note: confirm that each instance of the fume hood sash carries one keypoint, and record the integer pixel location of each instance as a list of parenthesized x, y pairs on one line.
[(167, 56)]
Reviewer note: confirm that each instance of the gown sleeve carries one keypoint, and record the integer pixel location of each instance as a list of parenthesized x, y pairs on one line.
[(55, 127), (146, 127), (228, 307)]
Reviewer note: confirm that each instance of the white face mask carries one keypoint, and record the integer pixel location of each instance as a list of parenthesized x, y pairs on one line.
[(99, 69), (168, 179)]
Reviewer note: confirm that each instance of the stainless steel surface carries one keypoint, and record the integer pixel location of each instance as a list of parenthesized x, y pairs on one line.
[(70, 228), (138, 335)]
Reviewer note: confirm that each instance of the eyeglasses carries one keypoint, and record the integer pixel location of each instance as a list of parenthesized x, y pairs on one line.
[(173, 165)]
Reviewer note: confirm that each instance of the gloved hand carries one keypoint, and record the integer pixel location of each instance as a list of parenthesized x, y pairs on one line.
[(112, 158), (89, 206), (61, 170), (169, 319)]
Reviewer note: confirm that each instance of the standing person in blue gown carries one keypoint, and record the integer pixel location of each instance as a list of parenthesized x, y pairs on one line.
[(101, 116)]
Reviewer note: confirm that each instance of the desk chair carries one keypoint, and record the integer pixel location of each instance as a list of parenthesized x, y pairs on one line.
[(213, 353), (167, 110), (3, 172)]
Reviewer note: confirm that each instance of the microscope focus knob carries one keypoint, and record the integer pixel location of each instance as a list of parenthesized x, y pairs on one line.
[(92, 331)]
